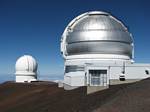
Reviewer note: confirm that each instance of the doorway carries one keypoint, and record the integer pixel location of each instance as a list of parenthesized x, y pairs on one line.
[(98, 77)]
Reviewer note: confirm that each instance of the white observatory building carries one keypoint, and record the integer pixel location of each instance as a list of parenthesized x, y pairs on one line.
[(26, 69), (98, 51)]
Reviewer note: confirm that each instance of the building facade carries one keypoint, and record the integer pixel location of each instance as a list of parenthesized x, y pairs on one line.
[(98, 51)]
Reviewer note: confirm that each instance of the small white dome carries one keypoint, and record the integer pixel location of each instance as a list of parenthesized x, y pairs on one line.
[(26, 65)]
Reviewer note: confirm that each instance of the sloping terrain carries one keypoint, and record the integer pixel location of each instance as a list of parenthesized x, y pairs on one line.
[(47, 97)]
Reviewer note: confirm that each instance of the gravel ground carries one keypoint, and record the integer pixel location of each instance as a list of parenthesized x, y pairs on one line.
[(47, 97)]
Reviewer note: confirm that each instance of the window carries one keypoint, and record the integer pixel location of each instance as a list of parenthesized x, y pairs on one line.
[(73, 68)]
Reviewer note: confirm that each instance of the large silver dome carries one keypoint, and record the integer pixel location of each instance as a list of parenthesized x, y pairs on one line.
[(97, 33)]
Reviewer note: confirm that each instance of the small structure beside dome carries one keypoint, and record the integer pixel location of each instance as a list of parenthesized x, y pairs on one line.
[(26, 69)]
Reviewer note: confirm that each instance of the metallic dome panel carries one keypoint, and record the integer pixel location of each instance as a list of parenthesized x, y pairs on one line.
[(99, 48), (98, 33)]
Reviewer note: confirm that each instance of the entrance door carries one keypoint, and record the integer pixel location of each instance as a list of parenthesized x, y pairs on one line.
[(98, 77)]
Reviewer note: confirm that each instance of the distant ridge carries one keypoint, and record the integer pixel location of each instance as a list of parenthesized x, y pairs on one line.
[(11, 77), (6, 77)]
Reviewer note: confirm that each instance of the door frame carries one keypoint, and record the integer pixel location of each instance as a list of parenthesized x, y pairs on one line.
[(96, 68)]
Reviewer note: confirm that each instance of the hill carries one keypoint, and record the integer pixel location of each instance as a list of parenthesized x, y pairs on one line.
[(47, 97)]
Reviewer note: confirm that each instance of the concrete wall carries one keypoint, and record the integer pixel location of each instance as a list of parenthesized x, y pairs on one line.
[(21, 78), (75, 79), (132, 71)]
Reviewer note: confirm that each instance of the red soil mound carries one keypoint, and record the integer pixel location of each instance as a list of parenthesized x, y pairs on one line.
[(47, 97)]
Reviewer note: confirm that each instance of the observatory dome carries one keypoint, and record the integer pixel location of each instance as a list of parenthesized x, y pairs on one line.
[(26, 65), (96, 32)]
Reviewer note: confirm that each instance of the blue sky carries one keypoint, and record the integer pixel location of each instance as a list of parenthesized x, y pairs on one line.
[(35, 26)]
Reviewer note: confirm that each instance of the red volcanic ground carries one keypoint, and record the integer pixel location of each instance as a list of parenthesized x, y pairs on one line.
[(47, 97)]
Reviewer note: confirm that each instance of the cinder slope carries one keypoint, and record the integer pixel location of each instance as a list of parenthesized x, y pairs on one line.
[(133, 98), (47, 97)]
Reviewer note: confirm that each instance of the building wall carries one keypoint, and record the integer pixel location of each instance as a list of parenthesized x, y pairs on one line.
[(137, 72), (21, 78), (75, 78), (132, 71)]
